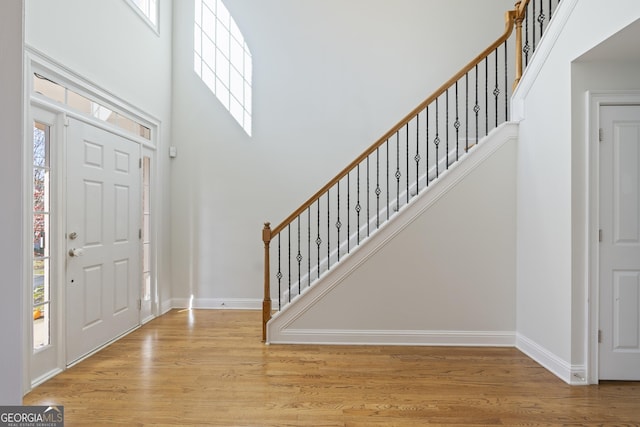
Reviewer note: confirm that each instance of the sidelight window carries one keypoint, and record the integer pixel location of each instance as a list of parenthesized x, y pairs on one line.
[(41, 260)]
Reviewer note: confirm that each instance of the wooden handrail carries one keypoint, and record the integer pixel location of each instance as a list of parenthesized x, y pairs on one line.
[(513, 18)]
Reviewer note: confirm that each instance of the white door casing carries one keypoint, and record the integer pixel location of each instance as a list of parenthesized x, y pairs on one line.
[(619, 248), (102, 237)]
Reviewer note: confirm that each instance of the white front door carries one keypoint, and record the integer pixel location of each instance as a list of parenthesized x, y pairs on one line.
[(102, 237), (619, 323)]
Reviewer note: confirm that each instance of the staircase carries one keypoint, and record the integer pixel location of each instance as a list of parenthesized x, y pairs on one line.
[(312, 255)]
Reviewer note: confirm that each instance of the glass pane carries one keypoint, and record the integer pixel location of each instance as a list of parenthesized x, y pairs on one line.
[(222, 39), (40, 189), (145, 132), (127, 124), (39, 293), (79, 102), (222, 13), (48, 88), (40, 145), (40, 235), (41, 326)]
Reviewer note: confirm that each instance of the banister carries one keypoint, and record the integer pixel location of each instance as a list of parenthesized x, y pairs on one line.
[(513, 19)]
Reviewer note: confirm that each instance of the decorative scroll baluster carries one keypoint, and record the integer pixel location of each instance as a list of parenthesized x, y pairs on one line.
[(486, 96), (407, 158), (398, 174), (476, 107), (417, 156), (378, 191), (388, 186), (466, 112), (328, 231), (338, 223), (318, 239), (279, 275), (358, 207), (496, 89), (289, 261), (436, 141), (456, 125), (309, 245), (426, 151), (446, 128), (506, 78), (368, 194)]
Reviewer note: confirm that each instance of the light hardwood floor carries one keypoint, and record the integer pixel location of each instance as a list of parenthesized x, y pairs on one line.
[(208, 367)]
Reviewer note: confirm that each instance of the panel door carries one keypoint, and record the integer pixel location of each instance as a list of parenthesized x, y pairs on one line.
[(102, 237), (619, 352)]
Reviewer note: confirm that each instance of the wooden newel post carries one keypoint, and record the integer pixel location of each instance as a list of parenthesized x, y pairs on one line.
[(266, 303), (519, 17)]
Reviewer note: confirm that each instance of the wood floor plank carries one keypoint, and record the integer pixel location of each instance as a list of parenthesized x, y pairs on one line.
[(209, 367)]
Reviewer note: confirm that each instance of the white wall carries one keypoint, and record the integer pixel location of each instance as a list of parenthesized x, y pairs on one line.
[(330, 77), (551, 212), (108, 44), (11, 214), (446, 276)]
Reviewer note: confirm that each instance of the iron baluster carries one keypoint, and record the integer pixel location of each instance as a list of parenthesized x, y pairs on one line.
[(417, 156), (368, 198), (338, 223), (299, 259), (456, 125), (328, 231), (436, 141), (358, 207), (398, 174), (427, 146), (309, 245), (466, 112), (318, 239), (279, 276), (446, 128), (377, 187)]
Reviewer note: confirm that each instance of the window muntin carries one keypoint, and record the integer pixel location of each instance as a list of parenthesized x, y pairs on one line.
[(223, 60)]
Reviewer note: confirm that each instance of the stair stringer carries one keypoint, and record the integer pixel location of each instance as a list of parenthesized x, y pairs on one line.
[(282, 327)]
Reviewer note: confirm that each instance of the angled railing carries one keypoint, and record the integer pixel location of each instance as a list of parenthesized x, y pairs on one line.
[(399, 165)]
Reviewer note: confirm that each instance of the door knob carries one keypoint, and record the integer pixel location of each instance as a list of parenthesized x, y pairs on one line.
[(76, 252)]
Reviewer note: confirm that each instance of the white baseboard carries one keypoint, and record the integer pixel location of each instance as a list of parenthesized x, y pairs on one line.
[(571, 374), (218, 303), (393, 337)]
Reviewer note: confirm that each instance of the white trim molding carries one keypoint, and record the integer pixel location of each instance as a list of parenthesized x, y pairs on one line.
[(594, 101), (217, 303), (571, 374), (397, 337)]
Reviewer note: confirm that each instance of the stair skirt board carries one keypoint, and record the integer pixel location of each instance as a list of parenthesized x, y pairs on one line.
[(396, 337), (279, 327)]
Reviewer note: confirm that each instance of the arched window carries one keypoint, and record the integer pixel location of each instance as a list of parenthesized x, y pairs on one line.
[(222, 59)]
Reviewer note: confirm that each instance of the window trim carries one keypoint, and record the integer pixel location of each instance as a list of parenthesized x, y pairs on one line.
[(155, 27)]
